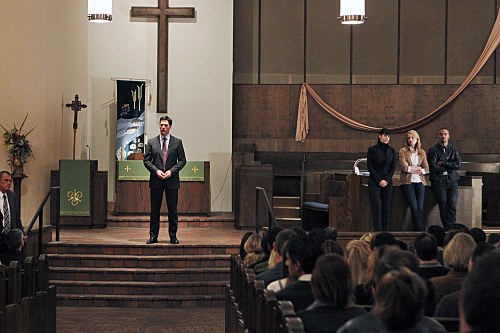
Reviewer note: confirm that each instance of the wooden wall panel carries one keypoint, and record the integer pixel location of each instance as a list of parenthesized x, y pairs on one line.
[(266, 115)]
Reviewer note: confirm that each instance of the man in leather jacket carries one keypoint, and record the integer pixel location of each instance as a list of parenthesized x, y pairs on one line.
[(444, 161)]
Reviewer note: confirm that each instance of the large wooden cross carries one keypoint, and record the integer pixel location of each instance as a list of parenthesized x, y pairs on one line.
[(76, 106), (162, 12)]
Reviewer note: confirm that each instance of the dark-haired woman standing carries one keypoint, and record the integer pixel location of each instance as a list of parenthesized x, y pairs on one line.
[(381, 161)]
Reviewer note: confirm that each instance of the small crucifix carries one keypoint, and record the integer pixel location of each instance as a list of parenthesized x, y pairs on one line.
[(162, 13), (76, 106)]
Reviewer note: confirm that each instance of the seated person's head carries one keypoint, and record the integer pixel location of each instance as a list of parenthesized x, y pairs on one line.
[(242, 244), (399, 299), (271, 236), (460, 227), (480, 250), (394, 259), (331, 246), (449, 236), (14, 239), (458, 252), (426, 247), (331, 280), (401, 244), (283, 237), (253, 249), (384, 238), (478, 234), (331, 233), (302, 253), (481, 294), (299, 231), (358, 254), (438, 232), (318, 234), (493, 239)]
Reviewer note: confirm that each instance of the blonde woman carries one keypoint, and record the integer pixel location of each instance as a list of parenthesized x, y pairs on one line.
[(358, 253), (414, 166), (253, 249)]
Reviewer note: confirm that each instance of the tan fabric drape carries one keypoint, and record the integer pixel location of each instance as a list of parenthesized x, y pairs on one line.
[(303, 121)]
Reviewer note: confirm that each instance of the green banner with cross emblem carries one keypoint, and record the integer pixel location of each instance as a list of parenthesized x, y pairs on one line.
[(75, 187), (193, 171)]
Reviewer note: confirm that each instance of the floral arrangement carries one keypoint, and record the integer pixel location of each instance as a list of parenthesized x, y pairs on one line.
[(18, 147)]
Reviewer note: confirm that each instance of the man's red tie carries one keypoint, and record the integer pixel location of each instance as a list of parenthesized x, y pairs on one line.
[(164, 154)]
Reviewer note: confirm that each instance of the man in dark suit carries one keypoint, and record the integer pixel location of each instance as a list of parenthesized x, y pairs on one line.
[(164, 158), (8, 209)]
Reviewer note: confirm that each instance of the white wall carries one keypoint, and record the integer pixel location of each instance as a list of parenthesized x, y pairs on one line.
[(199, 91), (43, 64)]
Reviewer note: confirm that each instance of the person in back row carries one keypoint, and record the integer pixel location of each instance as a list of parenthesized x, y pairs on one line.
[(276, 272), (426, 250)]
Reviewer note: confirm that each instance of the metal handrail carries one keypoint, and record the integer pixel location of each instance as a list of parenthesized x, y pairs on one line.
[(39, 216), (269, 209)]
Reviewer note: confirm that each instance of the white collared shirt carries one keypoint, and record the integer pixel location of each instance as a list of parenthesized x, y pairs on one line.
[(168, 140)]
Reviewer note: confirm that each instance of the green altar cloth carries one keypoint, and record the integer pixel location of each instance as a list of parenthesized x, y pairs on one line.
[(193, 171), (75, 187)]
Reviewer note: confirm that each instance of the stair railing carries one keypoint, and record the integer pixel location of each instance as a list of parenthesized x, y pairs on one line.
[(39, 215), (260, 191)]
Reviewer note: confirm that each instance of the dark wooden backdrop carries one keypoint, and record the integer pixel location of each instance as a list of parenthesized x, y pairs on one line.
[(267, 115)]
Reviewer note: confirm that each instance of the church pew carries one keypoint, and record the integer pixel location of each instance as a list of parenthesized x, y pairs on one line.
[(27, 302), (451, 324)]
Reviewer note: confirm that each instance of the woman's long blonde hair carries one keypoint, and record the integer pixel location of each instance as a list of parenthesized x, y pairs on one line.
[(413, 133)]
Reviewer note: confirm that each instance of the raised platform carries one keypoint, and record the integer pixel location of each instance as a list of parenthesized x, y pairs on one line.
[(113, 267), (213, 220)]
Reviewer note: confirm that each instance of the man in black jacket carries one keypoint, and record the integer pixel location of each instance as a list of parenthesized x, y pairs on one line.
[(444, 161)]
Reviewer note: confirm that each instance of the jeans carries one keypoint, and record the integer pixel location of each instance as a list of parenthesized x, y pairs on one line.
[(446, 192), (380, 202), (414, 194)]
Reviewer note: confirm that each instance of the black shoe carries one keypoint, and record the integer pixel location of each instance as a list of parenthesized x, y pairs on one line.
[(152, 240), (174, 240)]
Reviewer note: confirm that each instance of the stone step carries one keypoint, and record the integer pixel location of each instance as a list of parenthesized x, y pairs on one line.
[(159, 249), (139, 288), (282, 201), (284, 212), (146, 301), (139, 274), (138, 261)]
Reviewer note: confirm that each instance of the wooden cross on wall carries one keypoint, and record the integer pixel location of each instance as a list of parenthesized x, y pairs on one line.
[(162, 12)]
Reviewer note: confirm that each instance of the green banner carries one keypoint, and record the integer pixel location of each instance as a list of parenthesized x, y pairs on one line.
[(75, 187), (135, 170)]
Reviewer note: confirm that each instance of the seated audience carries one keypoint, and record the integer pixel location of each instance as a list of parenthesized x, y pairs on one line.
[(438, 232), (383, 238), (367, 237), (399, 299), (271, 238), (15, 243), (401, 244), (331, 246), (493, 239), (456, 256), (280, 284), (318, 234), (460, 227), (276, 272), (363, 293), (265, 250), (480, 312), (426, 250), (242, 244), (332, 288), (253, 249), (331, 233), (358, 254), (478, 234), (299, 231), (302, 253), (448, 305)]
